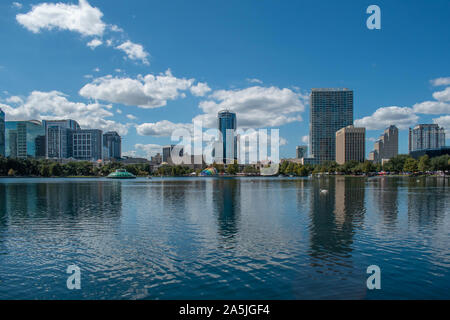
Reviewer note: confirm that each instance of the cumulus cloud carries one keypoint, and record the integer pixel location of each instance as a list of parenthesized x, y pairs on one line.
[(148, 150), (162, 128), (256, 107), (305, 139), (131, 117), (145, 92), (81, 18), (200, 89), (441, 82), (384, 117), (94, 43), (14, 99), (444, 122), (17, 5), (442, 95), (134, 51), (254, 80), (55, 105), (432, 107)]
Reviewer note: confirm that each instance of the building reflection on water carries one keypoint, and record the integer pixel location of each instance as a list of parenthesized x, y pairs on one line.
[(385, 198), (334, 216), (427, 201), (22, 201), (226, 198)]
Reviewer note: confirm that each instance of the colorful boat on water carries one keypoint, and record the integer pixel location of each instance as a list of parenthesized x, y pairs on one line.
[(121, 174)]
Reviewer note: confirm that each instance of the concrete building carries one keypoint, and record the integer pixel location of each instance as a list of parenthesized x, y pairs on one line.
[(301, 152), (2, 134), (350, 144), (24, 139), (386, 147), (112, 146), (331, 110), (426, 136), (87, 144)]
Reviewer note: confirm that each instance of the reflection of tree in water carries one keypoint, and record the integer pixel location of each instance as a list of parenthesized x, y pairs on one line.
[(385, 194), (67, 201), (334, 215), (427, 201), (226, 197)]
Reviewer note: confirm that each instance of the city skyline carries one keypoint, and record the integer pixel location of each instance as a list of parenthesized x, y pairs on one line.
[(117, 77)]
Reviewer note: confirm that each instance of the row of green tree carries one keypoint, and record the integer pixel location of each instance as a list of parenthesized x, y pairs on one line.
[(399, 164), (48, 168)]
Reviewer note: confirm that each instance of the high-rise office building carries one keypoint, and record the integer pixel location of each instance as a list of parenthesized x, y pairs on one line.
[(58, 138), (350, 144), (167, 153), (386, 147), (2, 133), (331, 110), (25, 139), (301, 152), (87, 144), (112, 146), (426, 137), (227, 125)]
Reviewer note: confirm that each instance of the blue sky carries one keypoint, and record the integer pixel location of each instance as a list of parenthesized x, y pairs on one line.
[(145, 68)]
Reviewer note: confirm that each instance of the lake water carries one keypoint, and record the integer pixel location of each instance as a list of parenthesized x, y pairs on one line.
[(225, 238)]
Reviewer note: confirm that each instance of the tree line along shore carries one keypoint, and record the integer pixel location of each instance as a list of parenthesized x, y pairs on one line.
[(402, 164)]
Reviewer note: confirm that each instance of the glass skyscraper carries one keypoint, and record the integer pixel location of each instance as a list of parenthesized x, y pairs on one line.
[(112, 145), (59, 144), (227, 126), (25, 139), (426, 137), (331, 110), (2, 133)]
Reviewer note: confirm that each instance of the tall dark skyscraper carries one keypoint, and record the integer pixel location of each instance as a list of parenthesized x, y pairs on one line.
[(227, 125), (112, 145), (2, 133), (331, 110)]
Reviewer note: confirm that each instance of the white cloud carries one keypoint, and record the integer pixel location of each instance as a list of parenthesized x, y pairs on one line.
[(441, 82), (384, 117), (88, 76), (162, 128), (432, 107), (442, 95), (131, 117), (444, 122), (256, 107), (55, 105), (14, 99), (305, 139), (134, 51), (200, 89), (148, 150), (17, 5), (119, 111), (81, 18), (254, 80), (96, 69), (94, 43), (146, 92)]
